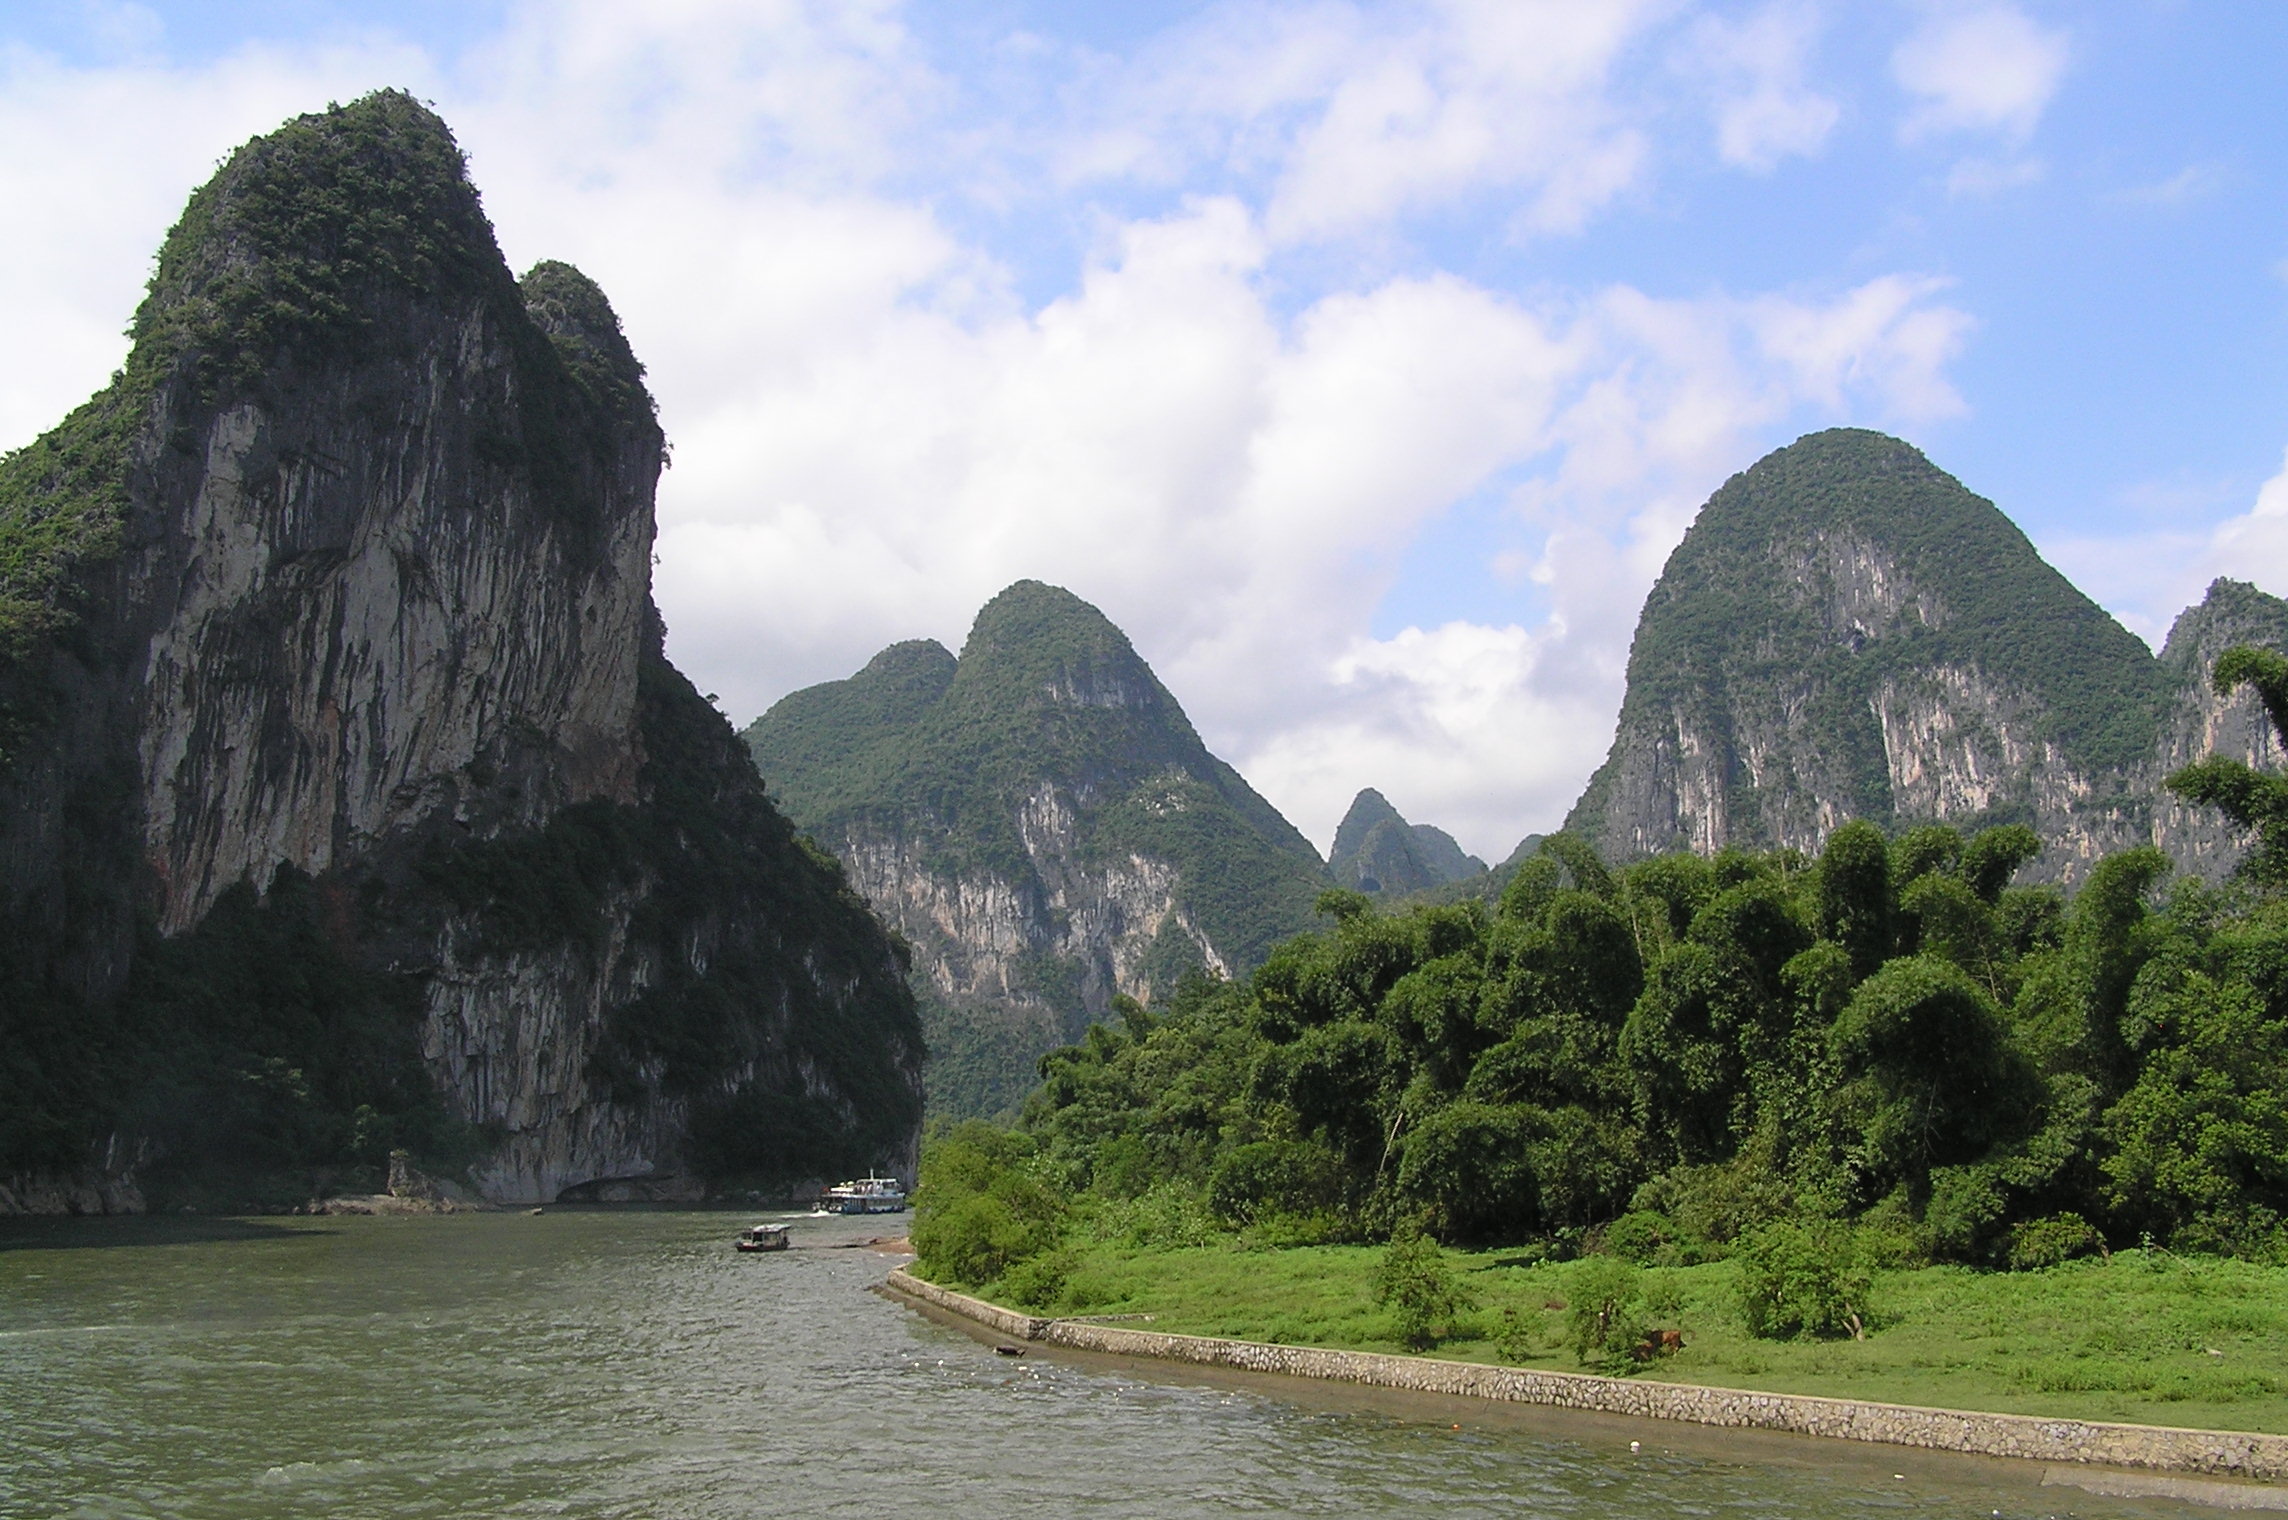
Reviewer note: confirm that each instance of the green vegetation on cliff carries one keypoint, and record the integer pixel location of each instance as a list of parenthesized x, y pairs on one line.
[(283, 253), (1830, 568), (275, 1047), (945, 753), (1049, 743), (1376, 850)]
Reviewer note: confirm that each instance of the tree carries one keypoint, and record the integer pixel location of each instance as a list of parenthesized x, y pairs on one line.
[(1931, 1078), (1855, 900)]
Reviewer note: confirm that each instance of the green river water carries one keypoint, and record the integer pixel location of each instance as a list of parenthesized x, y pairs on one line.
[(631, 1364)]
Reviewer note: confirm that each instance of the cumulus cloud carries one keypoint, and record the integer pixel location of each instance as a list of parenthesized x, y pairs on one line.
[(1219, 427), (1755, 67), (1345, 116), (1491, 730), (2147, 578), (1978, 69)]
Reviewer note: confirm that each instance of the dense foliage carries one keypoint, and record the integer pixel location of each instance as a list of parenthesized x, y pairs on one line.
[(1888, 1049)]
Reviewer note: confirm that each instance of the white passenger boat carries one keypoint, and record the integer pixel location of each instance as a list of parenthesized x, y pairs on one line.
[(866, 1195)]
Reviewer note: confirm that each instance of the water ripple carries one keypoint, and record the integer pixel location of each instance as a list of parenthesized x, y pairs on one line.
[(629, 1365)]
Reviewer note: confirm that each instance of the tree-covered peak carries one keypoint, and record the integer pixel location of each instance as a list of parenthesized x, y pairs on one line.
[(344, 236), (305, 230), (922, 665), (578, 318), (1039, 645), (1367, 809), (2233, 612), (1850, 542)]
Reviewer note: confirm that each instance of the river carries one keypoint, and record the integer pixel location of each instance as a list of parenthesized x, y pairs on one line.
[(631, 1365)]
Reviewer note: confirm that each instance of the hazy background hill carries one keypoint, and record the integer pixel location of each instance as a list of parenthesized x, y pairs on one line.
[(1041, 823), (1378, 851)]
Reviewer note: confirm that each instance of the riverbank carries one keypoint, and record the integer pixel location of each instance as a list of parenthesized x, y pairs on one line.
[(2231, 1454), (2144, 1338)]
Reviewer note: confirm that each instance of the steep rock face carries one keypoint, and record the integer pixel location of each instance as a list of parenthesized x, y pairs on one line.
[(1041, 823), (2198, 723), (1846, 632), (1377, 850), (329, 624)]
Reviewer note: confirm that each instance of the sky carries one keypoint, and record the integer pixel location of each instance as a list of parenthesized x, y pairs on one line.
[(1364, 362)]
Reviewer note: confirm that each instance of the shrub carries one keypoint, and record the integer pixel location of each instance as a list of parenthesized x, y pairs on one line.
[(981, 1210), (2047, 1242), (1037, 1282), (1470, 1165), (1169, 1214), (1802, 1278), (1518, 1338), (1270, 1177), (1652, 1239), (1415, 1283), (1605, 1304)]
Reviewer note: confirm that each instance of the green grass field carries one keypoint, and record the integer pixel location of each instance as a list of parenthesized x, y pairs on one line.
[(2145, 1337)]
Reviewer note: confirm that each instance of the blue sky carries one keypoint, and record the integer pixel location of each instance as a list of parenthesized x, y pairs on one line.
[(1363, 361)]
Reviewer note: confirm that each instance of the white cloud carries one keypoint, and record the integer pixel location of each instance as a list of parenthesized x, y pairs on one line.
[(1978, 69), (2147, 578), (101, 161), (1350, 115), (2194, 182), (874, 432), (1990, 176), (1755, 66), (1490, 731)]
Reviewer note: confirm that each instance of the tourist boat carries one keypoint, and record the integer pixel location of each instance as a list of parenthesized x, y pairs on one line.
[(866, 1195), (761, 1237)]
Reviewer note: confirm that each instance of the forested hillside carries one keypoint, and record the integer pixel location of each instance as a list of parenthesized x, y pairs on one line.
[(1892, 1039), (1043, 825)]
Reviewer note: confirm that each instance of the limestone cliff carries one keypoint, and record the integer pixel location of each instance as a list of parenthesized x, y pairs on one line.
[(348, 797), (1041, 823), (1846, 632)]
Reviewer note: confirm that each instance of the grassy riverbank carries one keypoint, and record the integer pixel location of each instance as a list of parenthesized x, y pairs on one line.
[(2145, 1337)]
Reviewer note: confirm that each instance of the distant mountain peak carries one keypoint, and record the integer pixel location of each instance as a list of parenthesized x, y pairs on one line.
[(1377, 850)]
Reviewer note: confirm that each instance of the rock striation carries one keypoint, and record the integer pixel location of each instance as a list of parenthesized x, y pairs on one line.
[(1846, 632), (1041, 823), (346, 794)]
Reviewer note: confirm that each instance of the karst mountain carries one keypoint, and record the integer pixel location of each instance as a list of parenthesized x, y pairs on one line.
[(1040, 822), (348, 803), (1847, 632)]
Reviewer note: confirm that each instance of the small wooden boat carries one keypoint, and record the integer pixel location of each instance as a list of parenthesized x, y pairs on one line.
[(761, 1237)]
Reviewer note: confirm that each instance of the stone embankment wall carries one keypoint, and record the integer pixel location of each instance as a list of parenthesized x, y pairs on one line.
[(2032, 1437)]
